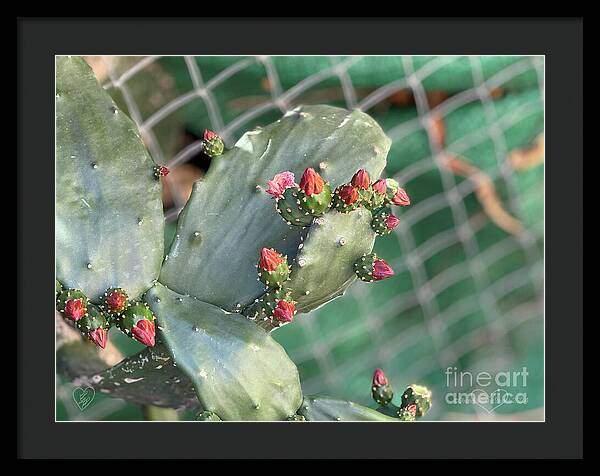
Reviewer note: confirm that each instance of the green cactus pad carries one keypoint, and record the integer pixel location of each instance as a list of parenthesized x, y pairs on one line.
[(290, 211), (109, 218), (296, 418), (238, 370), (316, 204), (229, 217), (418, 395), (207, 416), (150, 377), (323, 266), (324, 408)]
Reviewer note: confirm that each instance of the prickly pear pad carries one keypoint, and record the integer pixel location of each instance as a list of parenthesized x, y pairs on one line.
[(230, 217), (238, 370), (323, 268), (324, 408), (109, 218)]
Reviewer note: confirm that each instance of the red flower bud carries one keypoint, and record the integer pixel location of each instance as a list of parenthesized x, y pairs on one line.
[(412, 408), (209, 135), (74, 309), (99, 337), (284, 311), (144, 332), (349, 194), (116, 301), (269, 259), (401, 198), (361, 179), (311, 182), (391, 222), (379, 378), (160, 171), (380, 187), (381, 270)]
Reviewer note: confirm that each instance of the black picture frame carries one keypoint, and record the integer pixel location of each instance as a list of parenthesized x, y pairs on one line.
[(560, 40)]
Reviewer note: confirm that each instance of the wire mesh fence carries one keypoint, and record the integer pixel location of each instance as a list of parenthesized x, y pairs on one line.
[(467, 136)]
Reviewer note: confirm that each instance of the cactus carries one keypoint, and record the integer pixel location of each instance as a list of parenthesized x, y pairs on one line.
[(212, 144), (273, 268), (115, 301), (138, 322), (94, 326), (72, 303), (106, 194), (207, 416), (384, 221), (381, 390), (240, 266), (229, 217), (289, 209), (418, 396), (238, 370), (314, 195), (325, 408), (369, 268)]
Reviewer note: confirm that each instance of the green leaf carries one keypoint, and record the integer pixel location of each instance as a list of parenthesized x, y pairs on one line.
[(109, 218), (228, 219), (324, 408), (238, 370)]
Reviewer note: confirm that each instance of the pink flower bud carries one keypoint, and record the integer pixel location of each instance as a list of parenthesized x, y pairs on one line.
[(391, 222), (209, 135), (284, 311), (379, 378), (280, 182), (401, 198), (380, 187), (381, 270)]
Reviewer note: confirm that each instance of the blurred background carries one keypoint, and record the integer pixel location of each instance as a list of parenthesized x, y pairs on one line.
[(468, 147)]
